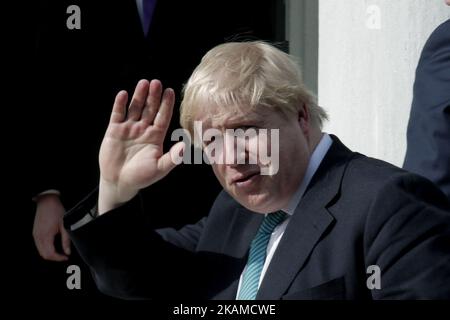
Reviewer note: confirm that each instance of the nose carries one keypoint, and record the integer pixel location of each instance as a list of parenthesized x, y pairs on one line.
[(236, 151)]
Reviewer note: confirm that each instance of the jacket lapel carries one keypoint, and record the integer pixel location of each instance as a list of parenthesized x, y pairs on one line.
[(308, 223), (241, 231)]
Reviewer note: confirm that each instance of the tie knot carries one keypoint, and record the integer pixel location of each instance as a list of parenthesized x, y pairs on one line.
[(271, 221)]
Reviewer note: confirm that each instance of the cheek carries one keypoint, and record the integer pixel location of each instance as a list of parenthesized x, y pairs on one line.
[(253, 147), (293, 154), (220, 172)]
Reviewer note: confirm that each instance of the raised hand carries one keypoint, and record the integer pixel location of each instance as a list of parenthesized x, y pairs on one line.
[(131, 155)]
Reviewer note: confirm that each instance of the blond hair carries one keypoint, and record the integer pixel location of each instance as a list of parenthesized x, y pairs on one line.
[(247, 75)]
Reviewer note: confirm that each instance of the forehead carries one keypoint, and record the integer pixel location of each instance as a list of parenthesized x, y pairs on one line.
[(231, 117)]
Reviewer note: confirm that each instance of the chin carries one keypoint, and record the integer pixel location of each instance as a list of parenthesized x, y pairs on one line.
[(260, 203)]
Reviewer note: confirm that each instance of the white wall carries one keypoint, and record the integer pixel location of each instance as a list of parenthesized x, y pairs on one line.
[(368, 52)]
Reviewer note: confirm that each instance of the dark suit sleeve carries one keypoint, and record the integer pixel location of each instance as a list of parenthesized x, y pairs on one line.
[(130, 260), (407, 235), (428, 135)]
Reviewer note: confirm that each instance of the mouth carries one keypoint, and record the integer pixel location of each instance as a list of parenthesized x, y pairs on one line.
[(245, 179)]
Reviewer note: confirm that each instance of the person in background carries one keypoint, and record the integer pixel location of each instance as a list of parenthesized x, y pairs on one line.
[(428, 134)]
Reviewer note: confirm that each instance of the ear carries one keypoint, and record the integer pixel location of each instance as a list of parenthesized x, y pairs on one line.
[(304, 119)]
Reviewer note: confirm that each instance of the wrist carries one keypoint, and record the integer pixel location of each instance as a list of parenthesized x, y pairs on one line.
[(110, 196)]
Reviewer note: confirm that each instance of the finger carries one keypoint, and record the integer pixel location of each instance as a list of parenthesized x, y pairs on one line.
[(119, 108), (152, 102), (162, 119), (56, 257), (172, 158), (138, 101), (65, 240), (48, 252)]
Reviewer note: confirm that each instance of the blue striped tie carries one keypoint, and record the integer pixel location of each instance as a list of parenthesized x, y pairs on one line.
[(257, 256)]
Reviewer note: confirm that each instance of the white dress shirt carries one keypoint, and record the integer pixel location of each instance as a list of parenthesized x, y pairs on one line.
[(314, 162)]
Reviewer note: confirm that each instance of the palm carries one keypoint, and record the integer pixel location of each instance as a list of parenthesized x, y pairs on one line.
[(130, 159), (131, 155)]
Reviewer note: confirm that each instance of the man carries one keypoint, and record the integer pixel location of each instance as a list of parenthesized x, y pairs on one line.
[(428, 135), (309, 231)]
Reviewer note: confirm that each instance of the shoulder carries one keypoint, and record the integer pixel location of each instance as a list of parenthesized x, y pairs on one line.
[(390, 197), (390, 202), (384, 185), (438, 43), (442, 31)]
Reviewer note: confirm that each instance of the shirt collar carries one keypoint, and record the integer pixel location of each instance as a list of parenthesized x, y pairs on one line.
[(316, 158)]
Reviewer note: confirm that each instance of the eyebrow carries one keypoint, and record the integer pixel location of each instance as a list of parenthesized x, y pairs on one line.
[(243, 122)]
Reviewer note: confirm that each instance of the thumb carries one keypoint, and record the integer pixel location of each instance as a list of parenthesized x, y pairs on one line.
[(172, 158), (65, 240)]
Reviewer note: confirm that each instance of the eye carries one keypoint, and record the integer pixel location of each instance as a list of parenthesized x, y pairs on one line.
[(245, 128), (207, 143)]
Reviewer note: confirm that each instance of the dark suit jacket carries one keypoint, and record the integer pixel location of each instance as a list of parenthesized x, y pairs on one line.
[(356, 212), (428, 151)]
